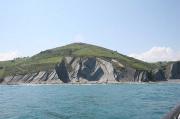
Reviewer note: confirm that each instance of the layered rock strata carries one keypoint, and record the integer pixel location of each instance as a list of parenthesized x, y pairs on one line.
[(93, 70)]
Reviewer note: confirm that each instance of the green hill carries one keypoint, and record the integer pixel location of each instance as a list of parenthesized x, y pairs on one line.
[(46, 60)]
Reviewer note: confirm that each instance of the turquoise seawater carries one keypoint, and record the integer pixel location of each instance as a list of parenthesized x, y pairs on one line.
[(111, 101)]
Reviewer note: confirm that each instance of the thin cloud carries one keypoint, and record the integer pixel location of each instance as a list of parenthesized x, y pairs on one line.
[(156, 54), (8, 55)]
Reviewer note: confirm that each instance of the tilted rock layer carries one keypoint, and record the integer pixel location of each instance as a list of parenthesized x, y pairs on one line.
[(93, 70), (173, 71)]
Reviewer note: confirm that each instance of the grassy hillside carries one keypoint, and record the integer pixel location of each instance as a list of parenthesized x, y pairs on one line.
[(46, 60)]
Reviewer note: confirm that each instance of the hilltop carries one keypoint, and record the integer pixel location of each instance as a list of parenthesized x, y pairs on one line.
[(46, 60)]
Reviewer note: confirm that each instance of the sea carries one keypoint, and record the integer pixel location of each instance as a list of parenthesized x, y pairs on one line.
[(96, 101)]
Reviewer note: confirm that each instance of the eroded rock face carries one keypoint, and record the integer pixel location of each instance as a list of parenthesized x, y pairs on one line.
[(159, 75), (93, 70), (45, 77), (125, 74), (1, 80), (86, 70), (90, 70), (141, 76), (62, 72), (174, 71)]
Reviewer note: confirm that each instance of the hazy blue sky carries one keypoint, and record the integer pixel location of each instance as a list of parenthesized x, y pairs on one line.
[(128, 26)]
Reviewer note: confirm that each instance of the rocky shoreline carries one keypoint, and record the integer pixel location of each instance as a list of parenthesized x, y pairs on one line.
[(92, 70)]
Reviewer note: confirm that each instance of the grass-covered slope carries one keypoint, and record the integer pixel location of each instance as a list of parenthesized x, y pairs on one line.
[(47, 60)]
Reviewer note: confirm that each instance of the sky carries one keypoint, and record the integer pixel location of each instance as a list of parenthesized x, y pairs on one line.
[(145, 29)]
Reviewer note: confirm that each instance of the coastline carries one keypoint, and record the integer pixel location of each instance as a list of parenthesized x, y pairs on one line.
[(174, 81)]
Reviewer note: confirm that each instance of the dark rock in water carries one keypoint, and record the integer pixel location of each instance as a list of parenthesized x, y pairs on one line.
[(174, 113)]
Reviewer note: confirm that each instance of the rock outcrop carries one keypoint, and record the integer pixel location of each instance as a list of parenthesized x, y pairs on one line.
[(93, 70), (99, 70), (158, 75), (43, 77), (142, 76), (173, 71), (84, 70)]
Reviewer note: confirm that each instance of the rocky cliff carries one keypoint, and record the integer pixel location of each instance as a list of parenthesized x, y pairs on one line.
[(173, 71), (94, 70), (43, 77)]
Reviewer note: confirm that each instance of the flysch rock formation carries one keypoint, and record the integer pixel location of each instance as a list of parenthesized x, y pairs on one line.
[(173, 71), (43, 77), (93, 70)]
